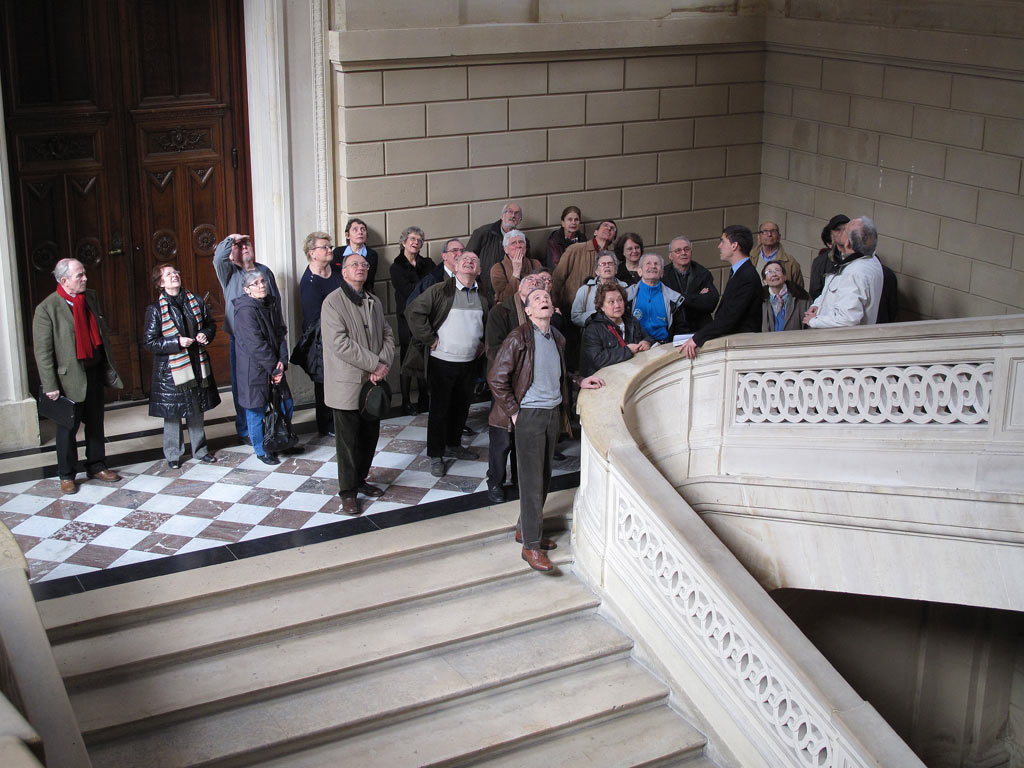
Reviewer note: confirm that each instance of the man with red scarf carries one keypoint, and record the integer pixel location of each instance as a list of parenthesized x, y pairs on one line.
[(72, 351)]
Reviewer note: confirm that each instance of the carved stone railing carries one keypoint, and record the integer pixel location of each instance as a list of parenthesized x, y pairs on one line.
[(30, 684), (913, 431)]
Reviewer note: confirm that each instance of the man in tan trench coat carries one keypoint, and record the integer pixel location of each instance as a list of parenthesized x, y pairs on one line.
[(358, 346)]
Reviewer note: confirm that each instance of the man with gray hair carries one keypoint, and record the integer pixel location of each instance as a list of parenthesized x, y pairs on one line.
[(73, 356), (852, 294), (693, 281), (486, 242)]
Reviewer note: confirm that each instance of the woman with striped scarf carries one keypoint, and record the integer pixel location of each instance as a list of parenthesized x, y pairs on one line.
[(177, 332)]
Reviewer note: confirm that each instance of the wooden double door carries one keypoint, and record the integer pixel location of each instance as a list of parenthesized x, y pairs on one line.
[(126, 127)]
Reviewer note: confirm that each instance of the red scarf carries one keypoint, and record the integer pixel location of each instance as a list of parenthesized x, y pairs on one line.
[(615, 333), (87, 330)]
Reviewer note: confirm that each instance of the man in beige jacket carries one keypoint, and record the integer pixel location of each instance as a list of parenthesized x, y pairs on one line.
[(358, 346)]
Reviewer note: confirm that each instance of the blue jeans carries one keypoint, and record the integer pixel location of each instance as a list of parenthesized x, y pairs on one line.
[(241, 419), (254, 417)]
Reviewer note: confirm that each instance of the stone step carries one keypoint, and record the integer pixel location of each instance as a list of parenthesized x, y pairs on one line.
[(650, 737), (247, 616), (142, 602), (561, 669), (472, 729), (142, 698)]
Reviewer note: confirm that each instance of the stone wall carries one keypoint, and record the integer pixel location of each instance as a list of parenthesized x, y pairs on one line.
[(665, 145), (931, 153)]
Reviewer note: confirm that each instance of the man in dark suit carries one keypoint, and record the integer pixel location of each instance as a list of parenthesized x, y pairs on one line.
[(740, 310), (73, 356)]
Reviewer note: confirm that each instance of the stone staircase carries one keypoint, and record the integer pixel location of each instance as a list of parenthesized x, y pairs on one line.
[(427, 644)]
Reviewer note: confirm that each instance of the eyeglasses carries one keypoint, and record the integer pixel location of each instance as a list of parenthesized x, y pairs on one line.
[(357, 264), (320, 247)]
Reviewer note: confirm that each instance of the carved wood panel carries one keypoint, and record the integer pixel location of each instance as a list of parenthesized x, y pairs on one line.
[(123, 132)]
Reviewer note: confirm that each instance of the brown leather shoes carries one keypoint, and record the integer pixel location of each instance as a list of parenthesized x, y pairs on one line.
[(106, 475), (350, 506), (537, 560), (68, 486), (546, 544)]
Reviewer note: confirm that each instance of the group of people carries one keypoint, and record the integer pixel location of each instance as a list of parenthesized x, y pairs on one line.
[(488, 312)]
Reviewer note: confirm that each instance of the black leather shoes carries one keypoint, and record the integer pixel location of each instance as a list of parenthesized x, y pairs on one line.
[(371, 490), (209, 458), (174, 464), (269, 458), (495, 494)]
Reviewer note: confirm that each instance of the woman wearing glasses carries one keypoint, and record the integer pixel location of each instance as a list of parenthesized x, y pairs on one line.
[(320, 278)]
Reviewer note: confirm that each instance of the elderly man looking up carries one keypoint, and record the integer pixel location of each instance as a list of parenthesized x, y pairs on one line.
[(73, 355), (531, 390), (577, 264), (506, 274), (693, 281), (852, 294), (358, 346), (770, 249), (447, 326), (488, 243), (658, 308)]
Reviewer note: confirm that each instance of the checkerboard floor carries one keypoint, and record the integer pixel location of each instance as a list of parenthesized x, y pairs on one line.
[(155, 511)]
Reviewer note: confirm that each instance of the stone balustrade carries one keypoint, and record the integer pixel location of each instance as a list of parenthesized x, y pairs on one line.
[(881, 460), (30, 677)]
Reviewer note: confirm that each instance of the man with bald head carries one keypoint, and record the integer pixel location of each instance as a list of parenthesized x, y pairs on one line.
[(73, 355), (770, 249), (852, 294)]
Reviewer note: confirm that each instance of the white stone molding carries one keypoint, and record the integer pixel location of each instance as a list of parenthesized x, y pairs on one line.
[(269, 140), (17, 407), (322, 117), (934, 394)]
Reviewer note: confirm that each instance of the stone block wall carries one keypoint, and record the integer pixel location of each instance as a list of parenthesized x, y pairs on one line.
[(934, 155), (663, 144)]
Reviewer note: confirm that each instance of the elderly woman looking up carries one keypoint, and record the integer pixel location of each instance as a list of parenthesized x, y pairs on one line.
[(320, 278), (409, 267), (629, 248), (611, 335), (570, 233), (785, 302), (604, 273), (506, 274), (177, 331), (261, 341), (658, 308)]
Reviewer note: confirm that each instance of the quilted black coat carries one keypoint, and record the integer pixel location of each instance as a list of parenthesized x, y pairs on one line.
[(165, 400)]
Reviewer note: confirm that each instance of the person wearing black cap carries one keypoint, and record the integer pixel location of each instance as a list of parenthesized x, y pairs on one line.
[(358, 347), (825, 262)]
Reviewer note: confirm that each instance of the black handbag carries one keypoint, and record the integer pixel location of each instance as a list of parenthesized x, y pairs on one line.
[(277, 427)]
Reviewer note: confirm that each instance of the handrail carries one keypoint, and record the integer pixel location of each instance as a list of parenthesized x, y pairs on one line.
[(767, 692), (32, 678)]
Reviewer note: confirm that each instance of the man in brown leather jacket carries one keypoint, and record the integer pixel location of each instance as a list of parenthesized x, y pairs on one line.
[(530, 387)]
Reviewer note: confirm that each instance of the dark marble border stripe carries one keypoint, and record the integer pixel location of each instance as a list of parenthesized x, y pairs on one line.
[(46, 590)]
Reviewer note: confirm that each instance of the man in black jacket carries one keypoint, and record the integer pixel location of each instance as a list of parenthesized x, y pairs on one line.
[(693, 281), (740, 310)]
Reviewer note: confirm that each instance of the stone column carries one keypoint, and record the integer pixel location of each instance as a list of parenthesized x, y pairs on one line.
[(17, 407)]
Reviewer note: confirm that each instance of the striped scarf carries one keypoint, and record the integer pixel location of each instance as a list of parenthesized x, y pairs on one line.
[(180, 363)]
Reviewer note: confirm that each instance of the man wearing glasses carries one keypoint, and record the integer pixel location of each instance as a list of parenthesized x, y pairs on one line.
[(358, 346), (770, 249), (487, 242)]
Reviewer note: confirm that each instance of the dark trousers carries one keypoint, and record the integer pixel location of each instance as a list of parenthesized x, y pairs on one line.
[(324, 413), (501, 442), (241, 421), (90, 413), (356, 441), (451, 387), (536, 436)]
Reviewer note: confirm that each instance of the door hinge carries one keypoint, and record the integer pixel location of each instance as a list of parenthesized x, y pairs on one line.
[(234, 157)]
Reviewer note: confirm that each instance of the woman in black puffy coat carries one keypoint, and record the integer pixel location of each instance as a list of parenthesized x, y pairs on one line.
[(178, 329), (611, 334)]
